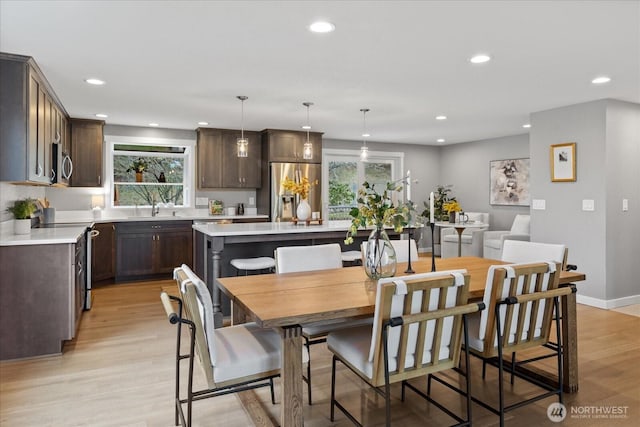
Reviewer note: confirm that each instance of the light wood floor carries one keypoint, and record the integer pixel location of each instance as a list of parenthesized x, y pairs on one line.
[(119, 371)]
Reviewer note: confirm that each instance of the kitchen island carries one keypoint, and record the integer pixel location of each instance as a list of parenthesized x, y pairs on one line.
[(217, 244)]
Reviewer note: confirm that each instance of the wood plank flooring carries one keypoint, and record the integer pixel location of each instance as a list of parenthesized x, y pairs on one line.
[(119, 371)]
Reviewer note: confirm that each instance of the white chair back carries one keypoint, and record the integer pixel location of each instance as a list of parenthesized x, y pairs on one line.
[(518, 251), (398, 309), (402, 250), (517, 281), (290, 259), (521, 224)]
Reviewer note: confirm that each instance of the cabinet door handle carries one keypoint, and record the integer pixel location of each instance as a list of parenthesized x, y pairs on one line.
[(39, 170), (99, 180)]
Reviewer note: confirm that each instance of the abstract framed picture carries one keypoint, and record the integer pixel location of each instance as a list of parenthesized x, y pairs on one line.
[(563, 162), (509, 182)]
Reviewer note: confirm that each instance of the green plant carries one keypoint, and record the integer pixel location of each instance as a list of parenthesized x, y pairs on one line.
[(138, 166), (440, 197), (375, 209), (23, 209)]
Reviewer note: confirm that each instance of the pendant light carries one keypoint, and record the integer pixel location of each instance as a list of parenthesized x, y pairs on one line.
[(364, 150), (307, 150), (243, 143)]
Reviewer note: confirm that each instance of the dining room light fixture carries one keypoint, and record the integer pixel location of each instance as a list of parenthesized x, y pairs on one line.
[(307, 150), (243, 143), (364, 150)]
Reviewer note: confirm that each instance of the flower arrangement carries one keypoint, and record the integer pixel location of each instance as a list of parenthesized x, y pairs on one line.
[(452, 206), (441, 196), (300, 188), (376, 209)]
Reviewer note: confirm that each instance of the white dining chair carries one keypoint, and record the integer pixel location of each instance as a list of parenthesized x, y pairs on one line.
[(293, 259), (417, 330), (233, 358), (520, 301)]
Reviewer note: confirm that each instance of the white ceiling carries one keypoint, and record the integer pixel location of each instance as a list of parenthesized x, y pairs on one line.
[(177, 63)]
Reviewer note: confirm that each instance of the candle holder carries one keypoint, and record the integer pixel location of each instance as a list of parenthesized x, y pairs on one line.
[(433, 247), (409, 270)]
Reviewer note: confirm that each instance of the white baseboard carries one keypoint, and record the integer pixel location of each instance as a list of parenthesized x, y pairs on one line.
[(608, 304)]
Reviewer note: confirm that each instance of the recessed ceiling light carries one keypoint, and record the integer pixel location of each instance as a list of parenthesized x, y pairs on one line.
[(101, 115), (441, 117), (322, 27), (526, 126), (94, 81), (366, 135), (600, 80), (306, 127), (154, 125), (441, 140), (480, 59), (203, 123)]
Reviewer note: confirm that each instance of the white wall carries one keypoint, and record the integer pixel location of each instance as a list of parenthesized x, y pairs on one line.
[(466, 167)]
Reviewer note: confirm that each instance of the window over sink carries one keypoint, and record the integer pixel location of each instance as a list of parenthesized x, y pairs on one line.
[(144, 171)]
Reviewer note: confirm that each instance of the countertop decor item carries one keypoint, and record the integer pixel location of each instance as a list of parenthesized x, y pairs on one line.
[(300, 188), (22, 211)]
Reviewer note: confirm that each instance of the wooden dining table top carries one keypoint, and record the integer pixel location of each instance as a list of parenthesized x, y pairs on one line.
[(278, 300)]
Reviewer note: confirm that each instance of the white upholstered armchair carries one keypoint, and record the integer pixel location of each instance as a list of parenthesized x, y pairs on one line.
[(494, 240), (472, 238)]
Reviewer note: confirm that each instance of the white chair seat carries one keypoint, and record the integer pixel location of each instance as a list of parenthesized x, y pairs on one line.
[(259, 263), (254, 350), (351, 256), (493, 243)]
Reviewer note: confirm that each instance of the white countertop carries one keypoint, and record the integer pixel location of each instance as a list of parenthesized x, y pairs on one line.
[(44, 236), (261, 228)]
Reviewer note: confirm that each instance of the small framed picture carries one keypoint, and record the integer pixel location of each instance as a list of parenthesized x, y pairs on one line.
[(563, 162)]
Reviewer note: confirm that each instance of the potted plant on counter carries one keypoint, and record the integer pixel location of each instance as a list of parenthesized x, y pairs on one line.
[(22, 211)]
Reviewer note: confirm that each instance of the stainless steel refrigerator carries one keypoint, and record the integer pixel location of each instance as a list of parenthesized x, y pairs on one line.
[(283, 204)]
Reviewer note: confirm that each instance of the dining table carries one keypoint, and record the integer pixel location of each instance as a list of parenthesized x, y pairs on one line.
[(285, 302)]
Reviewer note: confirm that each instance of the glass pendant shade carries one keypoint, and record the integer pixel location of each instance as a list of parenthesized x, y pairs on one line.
[(243, 147), (307, 149), (364, 153), (364, 150), (243, 143)]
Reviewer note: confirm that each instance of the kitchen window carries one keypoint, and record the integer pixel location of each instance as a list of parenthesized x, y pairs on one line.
[(344, 173), (146, 171)]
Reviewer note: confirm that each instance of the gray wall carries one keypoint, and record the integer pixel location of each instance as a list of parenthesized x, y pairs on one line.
[(623, 182), (601, 242), (466, 167)]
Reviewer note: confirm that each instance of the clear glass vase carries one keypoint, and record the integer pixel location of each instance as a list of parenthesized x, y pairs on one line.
[(380, 257)]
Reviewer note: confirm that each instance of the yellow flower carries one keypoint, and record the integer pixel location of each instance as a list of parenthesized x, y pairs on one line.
[(452, 206), (300, 188)]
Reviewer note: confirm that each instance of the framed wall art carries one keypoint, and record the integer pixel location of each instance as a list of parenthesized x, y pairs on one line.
[(563, 162), (509, 182)]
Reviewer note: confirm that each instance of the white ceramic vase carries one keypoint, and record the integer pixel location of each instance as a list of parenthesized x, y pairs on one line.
[(303, 212), (22, 226)]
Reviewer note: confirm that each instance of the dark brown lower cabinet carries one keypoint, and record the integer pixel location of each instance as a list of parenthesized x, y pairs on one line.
[(148, 249), (103, 253)]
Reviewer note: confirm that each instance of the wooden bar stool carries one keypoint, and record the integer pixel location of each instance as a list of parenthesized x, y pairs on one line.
[(253, 264)]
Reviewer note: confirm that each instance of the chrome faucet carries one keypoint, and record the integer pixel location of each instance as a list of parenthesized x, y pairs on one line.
[(155, 210)]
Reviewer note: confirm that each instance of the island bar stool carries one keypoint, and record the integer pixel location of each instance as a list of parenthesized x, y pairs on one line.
[(351, 258), (253, 264)]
